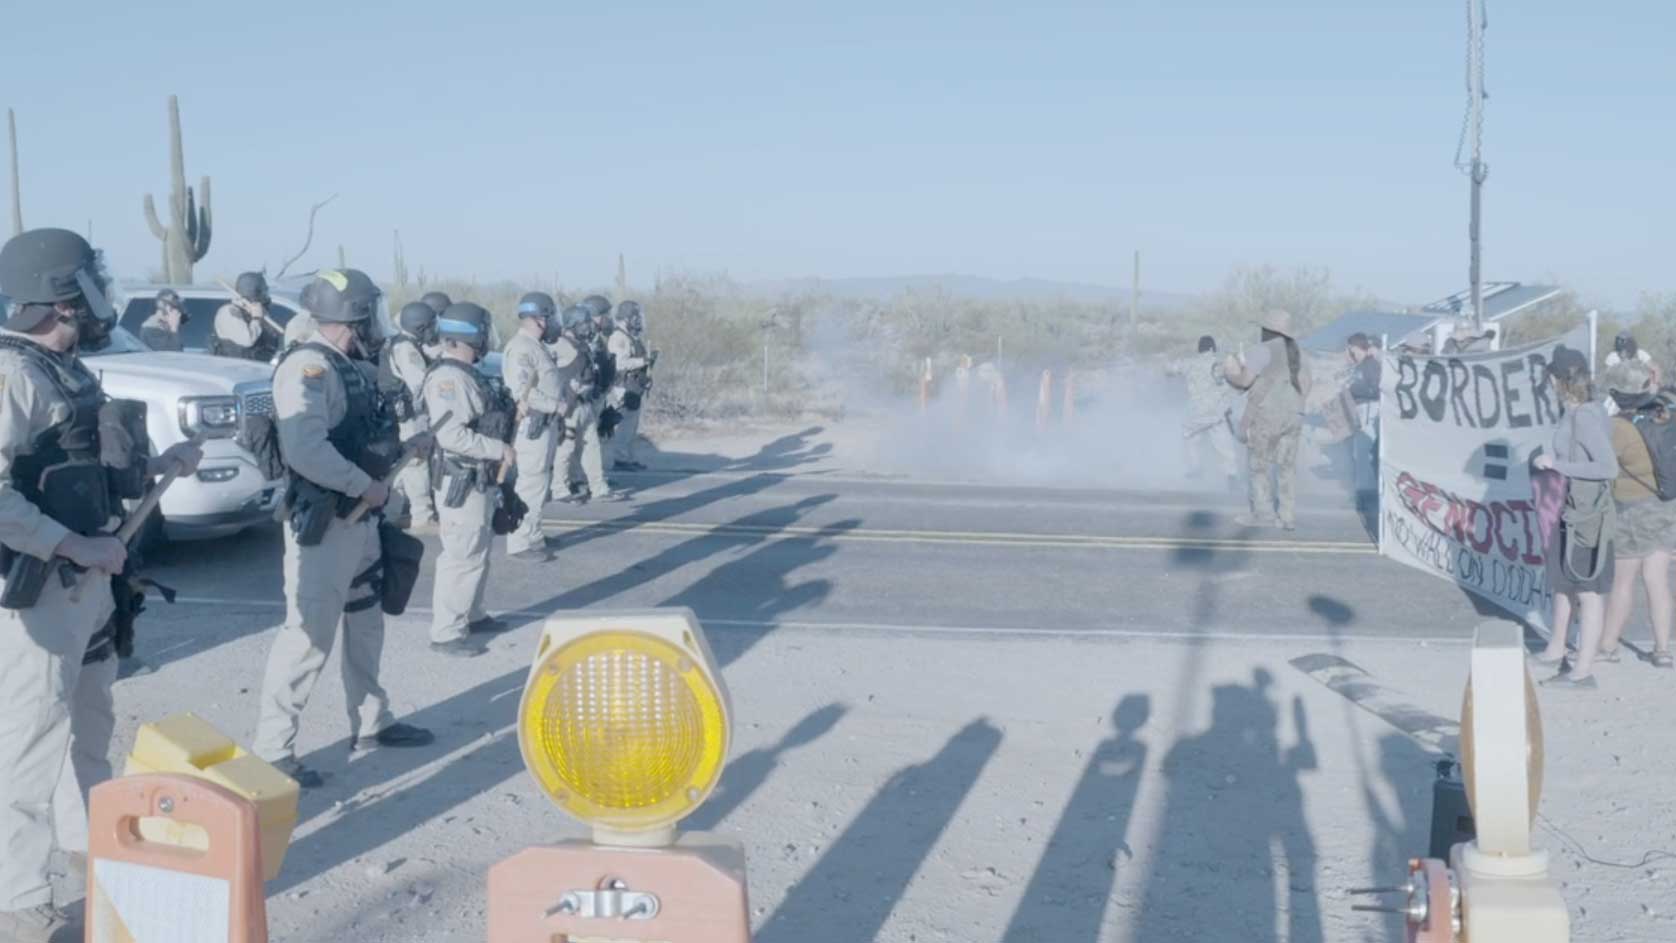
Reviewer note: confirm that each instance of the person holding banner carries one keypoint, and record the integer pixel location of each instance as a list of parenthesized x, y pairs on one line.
[(1277, 380), (1579, 555), (1646, 523)]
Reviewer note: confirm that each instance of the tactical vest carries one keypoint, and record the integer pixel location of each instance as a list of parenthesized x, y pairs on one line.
[(604, 366), (391, 387), (366, 435), (499, 412), (85, 509)]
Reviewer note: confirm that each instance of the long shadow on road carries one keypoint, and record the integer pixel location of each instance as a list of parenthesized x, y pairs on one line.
[(1234, 800), (756, 589), (490, 708), (745, 775), (850, 892), (1068, 896)]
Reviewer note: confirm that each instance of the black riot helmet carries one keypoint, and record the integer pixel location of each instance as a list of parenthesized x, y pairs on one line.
[(540, 305), (578, 320), (629, 316), (437, 300), (598, 305), (465, 323), (418, 319), (536, 304), (346, 296), (252, 286), (41, 268)]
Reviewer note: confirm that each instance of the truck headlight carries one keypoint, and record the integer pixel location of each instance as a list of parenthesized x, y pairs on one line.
[(624, 721), (217, 417)]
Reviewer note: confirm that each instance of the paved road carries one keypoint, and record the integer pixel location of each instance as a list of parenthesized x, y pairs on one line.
[(896, 770), (761, 549)]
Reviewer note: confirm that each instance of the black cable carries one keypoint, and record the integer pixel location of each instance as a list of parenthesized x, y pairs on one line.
[(1581, 852)]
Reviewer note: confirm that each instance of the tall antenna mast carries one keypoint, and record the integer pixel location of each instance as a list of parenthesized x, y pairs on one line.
[(1472, 134)]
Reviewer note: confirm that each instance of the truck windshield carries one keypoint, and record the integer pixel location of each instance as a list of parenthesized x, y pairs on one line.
[(122, 342)]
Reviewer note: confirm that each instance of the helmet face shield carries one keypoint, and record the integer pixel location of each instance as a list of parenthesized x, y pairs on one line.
[(97, 319)]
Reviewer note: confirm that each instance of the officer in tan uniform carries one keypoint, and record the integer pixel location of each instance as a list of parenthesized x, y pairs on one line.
[(335, 440), (57, 502), (1277, 379), (161, 331), (402, 367), (633, 379), (242, 328), (579, 457), (465, 474), (532, 380)]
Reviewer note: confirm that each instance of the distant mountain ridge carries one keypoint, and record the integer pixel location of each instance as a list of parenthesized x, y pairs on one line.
[(966, 286)]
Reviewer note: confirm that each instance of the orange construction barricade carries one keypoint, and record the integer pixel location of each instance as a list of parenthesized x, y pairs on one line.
[(690, 892), (139, 890)]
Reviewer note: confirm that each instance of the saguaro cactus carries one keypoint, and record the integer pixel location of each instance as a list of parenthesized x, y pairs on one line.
[(401, 262), (17, 191), (186, 239)]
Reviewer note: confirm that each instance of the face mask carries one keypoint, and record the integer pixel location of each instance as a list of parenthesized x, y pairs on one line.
[(367, 341), (96, 320)]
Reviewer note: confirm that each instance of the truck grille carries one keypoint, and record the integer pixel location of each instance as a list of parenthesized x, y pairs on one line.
[(257, 404)]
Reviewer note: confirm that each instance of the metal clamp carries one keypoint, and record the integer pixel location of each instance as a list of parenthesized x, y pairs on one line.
[(611, 900)]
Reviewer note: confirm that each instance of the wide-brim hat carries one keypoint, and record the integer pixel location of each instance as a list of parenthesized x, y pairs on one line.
[(1278, 321)]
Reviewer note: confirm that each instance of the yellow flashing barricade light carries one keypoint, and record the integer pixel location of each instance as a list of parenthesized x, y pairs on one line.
[(1496, 888), (625, 724)]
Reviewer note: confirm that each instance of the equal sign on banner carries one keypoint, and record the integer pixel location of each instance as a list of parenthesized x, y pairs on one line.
[(1495, 461)]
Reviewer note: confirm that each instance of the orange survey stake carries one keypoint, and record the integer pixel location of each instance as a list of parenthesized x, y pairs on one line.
[(145, 890)]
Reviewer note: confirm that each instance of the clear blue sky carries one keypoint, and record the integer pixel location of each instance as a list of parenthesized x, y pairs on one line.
[(779, 139)]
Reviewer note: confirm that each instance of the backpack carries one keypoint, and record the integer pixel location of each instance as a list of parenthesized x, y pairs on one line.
[(1657, 426)]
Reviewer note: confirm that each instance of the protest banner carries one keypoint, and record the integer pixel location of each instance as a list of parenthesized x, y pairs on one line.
[(1457, 435)]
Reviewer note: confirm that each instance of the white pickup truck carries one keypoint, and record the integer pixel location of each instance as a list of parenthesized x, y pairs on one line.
[(185, 393), (194, 390)]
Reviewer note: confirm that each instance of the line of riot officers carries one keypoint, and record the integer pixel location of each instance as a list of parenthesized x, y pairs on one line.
[(375, 437)]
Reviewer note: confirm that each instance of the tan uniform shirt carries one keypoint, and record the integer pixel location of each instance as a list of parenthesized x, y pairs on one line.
[(232, 326), (158, 335), (448, 393), (409, 366), (300, 328), (309, 399), (29, 406), (532, 378)]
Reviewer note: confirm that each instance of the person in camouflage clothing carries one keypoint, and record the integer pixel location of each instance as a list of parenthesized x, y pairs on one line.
[(1276, 378), (1210, 405)]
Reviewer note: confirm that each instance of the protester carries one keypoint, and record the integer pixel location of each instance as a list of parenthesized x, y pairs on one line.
[(1646, 525), (1580, 549), (1363, 393), (1278, 380)]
